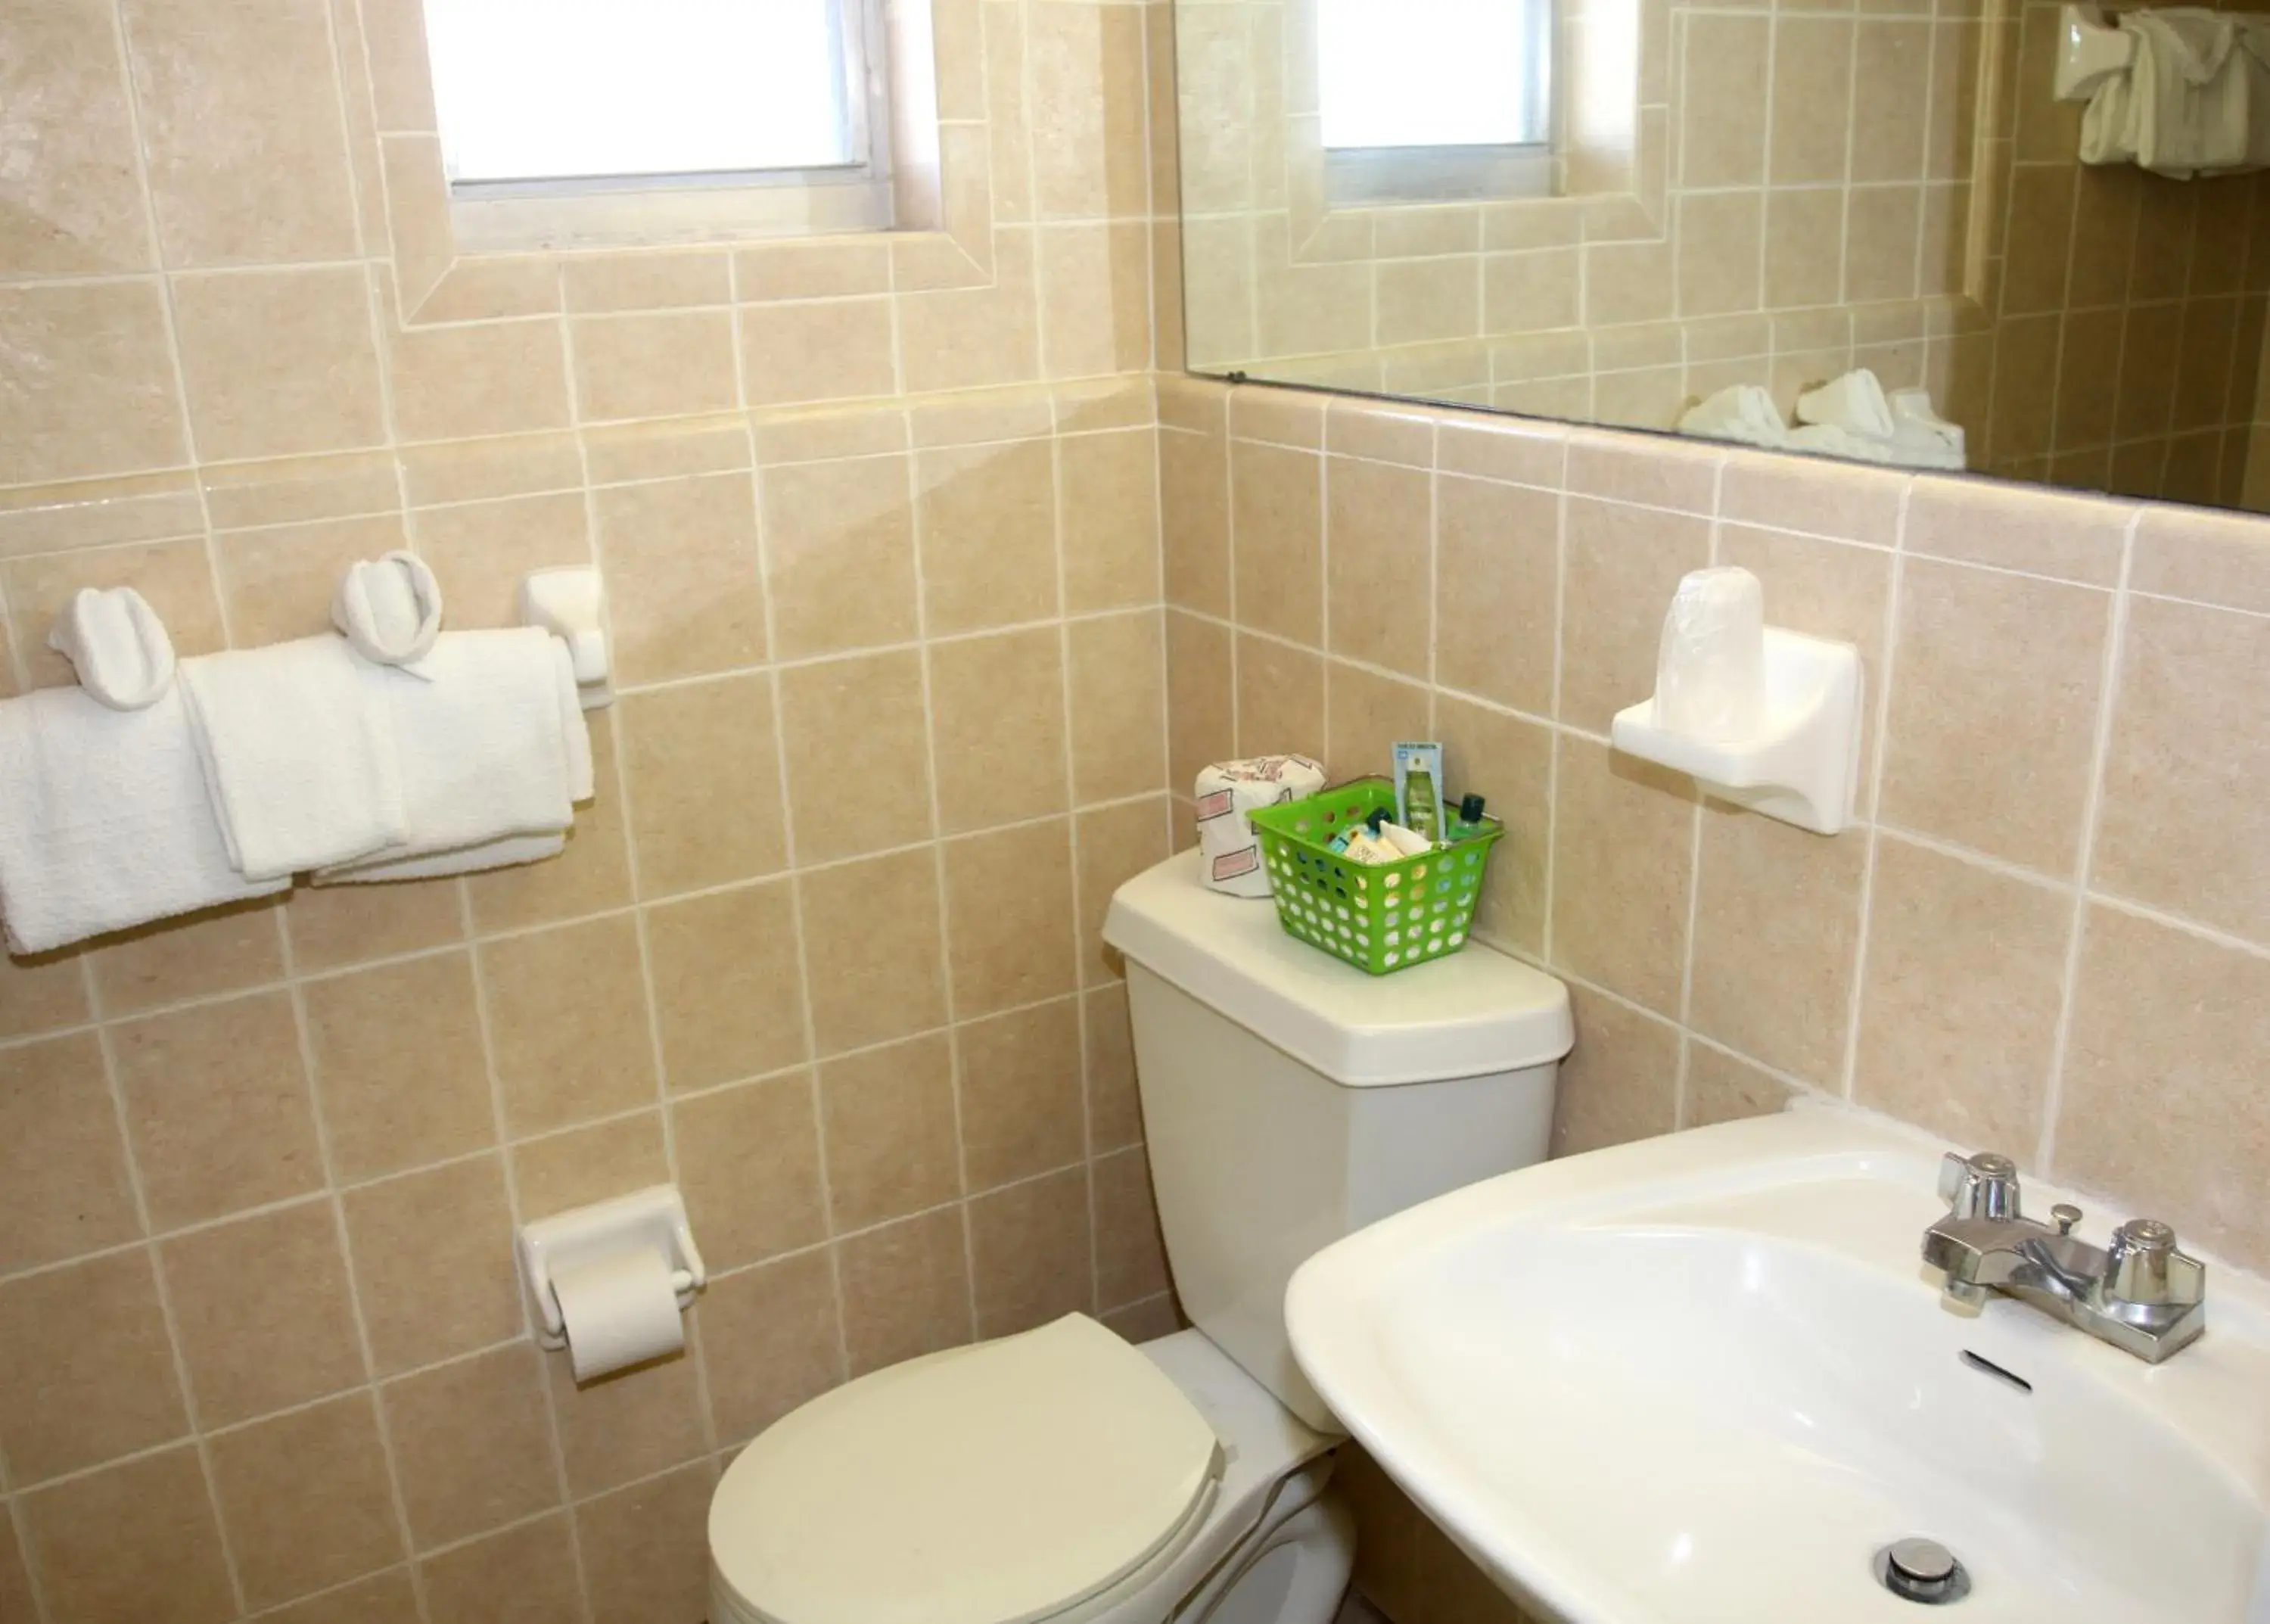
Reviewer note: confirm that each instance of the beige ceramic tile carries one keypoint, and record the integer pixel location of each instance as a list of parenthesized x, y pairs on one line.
[(704, 784), (2214, 558), (585, 1165), (689, 597), (1378, 591), (527, 1572), (1194, 518), (306, 1501), (241, 133), (63, 1183), (627, 1426), (221, 950), (385, 1598), (1367, 714), (1993, 711), (1094, 299), (728, 985), (1115, 843), (1820, 497), (2177, 827), (567, 1023), (1723, 1087), (646, 1550), (1117, 679), (770, 1340), (1114, 1112), (487, 378), (424, 1294), (1623, 862), (998, 728), (1021, 1093), (1777, 924), (1624, 564), (1723, 128), (1130, 1258), (76, 208), (218, 1108), (396, 1093), (2042, 533), (86, 1370), (873, 945), (849, 723), (1110, 501), (1620, 1081), (1030, 1258), (1497, 568), (906, 1290), (748, 1159), (278, 362), (479, 552), (1009, 918), (41, 995), (888, 1119), (840, 555), (91, 385), (2179, 1019), (653, 365), (129, 1542), (261, 1308), (988, 543), (1278, 514), (1959, 1007), (472, 1445), (1201, 725), (1509, 762), (1280, 699)]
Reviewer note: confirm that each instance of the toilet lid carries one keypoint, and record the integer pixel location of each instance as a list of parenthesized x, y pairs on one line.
[(986, 1485)]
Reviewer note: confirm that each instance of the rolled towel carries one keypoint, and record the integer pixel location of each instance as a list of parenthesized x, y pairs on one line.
[(390, 609), (492, 749), (118, 645), (104, 820), (1854, 402), (298, 745)]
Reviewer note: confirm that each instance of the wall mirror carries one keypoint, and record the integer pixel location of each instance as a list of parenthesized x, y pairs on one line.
[(1928, 233)]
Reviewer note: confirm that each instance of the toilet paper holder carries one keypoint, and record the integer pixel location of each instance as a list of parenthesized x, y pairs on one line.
[(1803, 765), (654, 1217)]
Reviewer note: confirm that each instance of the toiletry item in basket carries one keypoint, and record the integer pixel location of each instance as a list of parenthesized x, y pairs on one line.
[(1364, 849), (1468, 823), (1418, 779), (1408, 842)]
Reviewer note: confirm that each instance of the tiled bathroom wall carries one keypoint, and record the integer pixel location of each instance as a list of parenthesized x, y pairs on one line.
[(877, 518), (2047, 932)]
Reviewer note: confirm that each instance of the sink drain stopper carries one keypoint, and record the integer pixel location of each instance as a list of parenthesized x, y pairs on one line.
[(1921, 1570)]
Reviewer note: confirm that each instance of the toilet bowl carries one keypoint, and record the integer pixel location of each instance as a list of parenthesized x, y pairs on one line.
[(1063, 1476)]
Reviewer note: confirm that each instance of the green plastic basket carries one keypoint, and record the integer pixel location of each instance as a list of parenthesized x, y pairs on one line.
[(1381, 917)]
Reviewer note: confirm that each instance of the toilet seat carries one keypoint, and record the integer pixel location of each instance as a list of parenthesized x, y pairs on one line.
[(1000, 1484)]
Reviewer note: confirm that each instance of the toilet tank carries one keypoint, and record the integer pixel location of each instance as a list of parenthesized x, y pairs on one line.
[(1289, 1099)]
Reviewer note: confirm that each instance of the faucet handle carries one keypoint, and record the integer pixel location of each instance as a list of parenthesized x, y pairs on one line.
[(2143, 1267), (1981, 1186)]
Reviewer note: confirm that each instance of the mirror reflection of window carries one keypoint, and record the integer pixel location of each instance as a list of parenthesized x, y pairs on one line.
[(1428, 101)]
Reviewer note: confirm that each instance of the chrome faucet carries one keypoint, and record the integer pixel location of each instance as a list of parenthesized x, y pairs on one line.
[(2140, 1294)]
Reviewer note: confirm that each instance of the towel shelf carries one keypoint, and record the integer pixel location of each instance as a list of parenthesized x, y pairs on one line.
[(2090, 51)]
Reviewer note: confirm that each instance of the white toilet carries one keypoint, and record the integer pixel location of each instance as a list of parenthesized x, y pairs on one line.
[(1062, 1475)]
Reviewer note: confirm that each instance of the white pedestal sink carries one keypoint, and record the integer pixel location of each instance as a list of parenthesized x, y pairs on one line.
[(1706, 1379)]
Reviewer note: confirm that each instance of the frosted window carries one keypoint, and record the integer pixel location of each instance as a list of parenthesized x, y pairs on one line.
[(551, 89), (1431, 72)]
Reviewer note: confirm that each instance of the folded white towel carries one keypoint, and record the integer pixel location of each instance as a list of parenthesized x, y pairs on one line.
[(299, 751), (104, 820), (118, 646), (390, 609), (492, 747), (1742, 412), (1854, 402), (512, 851)]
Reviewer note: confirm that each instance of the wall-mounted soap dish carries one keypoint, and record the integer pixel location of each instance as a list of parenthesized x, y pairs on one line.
[(1803, 766)]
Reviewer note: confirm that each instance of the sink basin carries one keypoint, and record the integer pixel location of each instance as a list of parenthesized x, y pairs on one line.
[(1706, 1379)]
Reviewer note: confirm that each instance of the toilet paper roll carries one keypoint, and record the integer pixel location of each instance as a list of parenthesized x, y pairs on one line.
[(1229, 851), (619, 1310), (1710, 672)]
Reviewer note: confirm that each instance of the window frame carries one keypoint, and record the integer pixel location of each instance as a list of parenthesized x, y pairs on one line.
[(570, 212)]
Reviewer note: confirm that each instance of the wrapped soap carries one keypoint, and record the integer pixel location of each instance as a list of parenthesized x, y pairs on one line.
[(1709, 673), (1229, 851)]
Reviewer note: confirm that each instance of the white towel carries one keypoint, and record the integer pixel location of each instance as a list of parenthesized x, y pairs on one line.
[(492, 749), (1742, 412), (299, 751), (117, 644), (104, 820), (1854, 402), (390, 610), (2184, 104)]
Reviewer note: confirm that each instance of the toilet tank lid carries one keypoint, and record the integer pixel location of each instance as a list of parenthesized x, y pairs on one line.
[(1475, 1013)]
